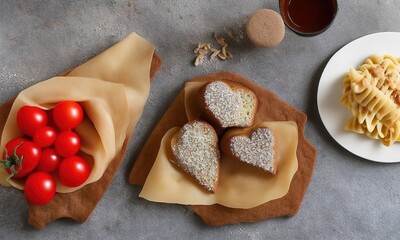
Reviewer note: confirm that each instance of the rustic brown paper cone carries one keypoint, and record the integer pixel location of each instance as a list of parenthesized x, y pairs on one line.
[(79, 204)]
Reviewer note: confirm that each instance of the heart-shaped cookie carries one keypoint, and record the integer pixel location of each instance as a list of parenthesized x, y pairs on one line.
[(228, 104), (256, 146), (195, 150)]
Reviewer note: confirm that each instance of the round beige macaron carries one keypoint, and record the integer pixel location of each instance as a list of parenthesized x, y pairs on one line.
[(265, 28)]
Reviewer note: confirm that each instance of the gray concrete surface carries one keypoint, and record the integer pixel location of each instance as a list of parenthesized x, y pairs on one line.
[(348, 197)]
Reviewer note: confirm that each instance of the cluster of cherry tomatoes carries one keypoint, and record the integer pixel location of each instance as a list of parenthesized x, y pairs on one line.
[(49, 147)]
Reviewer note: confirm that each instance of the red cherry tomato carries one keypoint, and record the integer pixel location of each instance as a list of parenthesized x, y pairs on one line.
[(40, 188), (73, 171), (30, 119), (50, 121), (67, 143), (21, 157), (67, 114), (49, 161), (45, 137)]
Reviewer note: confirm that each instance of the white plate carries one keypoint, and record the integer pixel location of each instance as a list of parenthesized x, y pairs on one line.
[(334, 115)]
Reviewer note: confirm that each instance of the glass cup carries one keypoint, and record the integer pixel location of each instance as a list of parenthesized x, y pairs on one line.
[(308, 17)]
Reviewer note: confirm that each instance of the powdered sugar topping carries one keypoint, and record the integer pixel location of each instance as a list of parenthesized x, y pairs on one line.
[(226, 105), (196, 152), (258, 150)]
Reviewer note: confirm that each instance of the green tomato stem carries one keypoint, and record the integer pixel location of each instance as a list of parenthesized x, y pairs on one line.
[(12, 161)]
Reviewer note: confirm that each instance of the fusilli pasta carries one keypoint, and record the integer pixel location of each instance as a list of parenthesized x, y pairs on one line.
[(372, 93)]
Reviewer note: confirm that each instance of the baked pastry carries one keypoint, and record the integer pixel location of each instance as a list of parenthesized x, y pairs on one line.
[(265, 28), (256, 146), (271, 108), (195, 150), (228, 104)]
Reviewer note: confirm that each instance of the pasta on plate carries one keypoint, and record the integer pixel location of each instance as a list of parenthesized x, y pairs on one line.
[(372, 93)]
